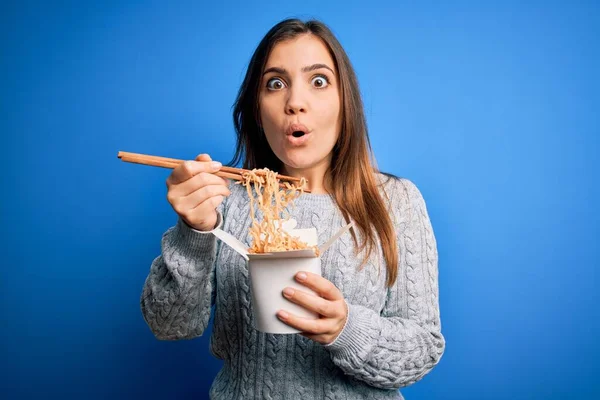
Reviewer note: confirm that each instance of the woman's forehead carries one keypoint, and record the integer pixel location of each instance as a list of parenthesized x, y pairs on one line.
[(299, 52)]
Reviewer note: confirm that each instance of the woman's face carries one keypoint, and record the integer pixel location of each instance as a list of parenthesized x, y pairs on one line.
[(299, 102)]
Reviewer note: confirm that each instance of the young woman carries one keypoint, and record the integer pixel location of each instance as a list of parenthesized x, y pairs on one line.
[(299, 112)]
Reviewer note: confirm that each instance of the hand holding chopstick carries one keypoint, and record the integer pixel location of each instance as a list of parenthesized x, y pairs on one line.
[(195, 190), (165, 162)]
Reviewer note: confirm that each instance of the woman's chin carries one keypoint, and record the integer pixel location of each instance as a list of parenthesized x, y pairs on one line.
[(297, 163), (302, 159)]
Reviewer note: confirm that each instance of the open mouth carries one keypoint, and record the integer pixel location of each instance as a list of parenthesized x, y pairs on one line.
[(297, 134)]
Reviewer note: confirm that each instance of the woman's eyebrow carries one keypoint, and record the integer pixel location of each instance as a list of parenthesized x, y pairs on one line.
[(280, 71), (317, 66), (309, 68)]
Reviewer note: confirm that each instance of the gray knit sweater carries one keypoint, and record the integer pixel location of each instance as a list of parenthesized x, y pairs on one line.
[(392, 337)]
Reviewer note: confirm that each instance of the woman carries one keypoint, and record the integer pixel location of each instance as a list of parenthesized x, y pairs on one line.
[(299, 112)]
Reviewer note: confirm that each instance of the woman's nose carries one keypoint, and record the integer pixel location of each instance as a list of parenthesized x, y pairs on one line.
[(296, 102)]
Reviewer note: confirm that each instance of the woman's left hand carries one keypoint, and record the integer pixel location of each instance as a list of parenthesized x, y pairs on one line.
[(330, 306)]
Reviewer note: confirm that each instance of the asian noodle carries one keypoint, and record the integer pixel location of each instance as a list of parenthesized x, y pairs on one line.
[(271, 200)]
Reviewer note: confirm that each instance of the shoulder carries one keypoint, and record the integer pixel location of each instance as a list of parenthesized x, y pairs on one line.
[(399, 191), (404, 201)]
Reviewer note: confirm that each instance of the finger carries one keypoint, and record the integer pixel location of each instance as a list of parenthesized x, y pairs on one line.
[(203, 157), (313, 326), (199, 214), (214, 202), (197, 199), (320, 285), (313, 303), (188, 169), (196, 182)]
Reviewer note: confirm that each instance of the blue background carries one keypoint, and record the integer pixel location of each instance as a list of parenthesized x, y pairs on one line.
[(492, 109)]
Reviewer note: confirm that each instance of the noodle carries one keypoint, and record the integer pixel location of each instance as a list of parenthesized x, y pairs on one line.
[(271, 200)]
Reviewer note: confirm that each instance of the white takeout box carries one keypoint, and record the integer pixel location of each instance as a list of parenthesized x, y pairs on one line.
[(270, 273)]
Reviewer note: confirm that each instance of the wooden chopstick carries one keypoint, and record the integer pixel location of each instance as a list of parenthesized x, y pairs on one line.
[(224, 168), (170, 163)]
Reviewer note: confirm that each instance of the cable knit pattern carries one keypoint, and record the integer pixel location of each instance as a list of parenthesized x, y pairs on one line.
[(392, 337)]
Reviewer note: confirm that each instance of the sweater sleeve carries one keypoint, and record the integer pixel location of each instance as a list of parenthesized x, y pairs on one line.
[(403, 343), (178, 292)]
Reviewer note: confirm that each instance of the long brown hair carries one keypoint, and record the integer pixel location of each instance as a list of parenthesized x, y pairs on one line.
[(351, 176)]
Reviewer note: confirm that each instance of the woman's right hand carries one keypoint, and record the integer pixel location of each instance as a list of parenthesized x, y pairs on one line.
[(195, 192)]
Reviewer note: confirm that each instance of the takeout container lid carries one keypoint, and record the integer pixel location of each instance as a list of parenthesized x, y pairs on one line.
[(308, 235)]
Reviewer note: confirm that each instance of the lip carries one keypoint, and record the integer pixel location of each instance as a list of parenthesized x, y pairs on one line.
[(295, 128), (297, 141)]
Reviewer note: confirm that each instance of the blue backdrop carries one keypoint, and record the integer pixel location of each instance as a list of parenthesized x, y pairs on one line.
[(490, 108)]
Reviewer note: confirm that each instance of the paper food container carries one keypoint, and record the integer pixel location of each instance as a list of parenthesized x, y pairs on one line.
[(270, 273)]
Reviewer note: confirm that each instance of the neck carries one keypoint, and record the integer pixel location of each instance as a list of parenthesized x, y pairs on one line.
[(315, 175)]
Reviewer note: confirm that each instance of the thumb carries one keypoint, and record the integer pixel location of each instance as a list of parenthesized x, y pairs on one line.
[(203, 157)]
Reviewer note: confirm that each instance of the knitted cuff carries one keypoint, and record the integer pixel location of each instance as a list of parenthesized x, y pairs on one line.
[(358, 335), (190, 240)]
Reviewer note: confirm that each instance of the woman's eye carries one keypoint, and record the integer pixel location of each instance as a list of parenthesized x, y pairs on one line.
[(320, 81), (275, 84)]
